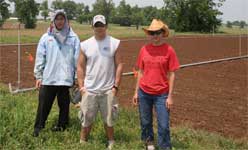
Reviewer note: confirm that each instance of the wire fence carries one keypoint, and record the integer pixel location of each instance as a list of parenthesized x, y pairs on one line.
[(17, 60), (210, 91)]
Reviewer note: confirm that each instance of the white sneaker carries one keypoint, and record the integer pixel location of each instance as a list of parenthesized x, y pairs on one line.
[(82, 141), (150, 147), (110, 145)]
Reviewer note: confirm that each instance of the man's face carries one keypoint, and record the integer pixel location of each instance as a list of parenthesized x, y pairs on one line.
[(100, 29), (60, 21)]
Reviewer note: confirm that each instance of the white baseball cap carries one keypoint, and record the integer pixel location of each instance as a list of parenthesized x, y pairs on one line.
[(99, 18)]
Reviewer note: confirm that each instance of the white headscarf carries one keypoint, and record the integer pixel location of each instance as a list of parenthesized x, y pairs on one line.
[(60, 35)]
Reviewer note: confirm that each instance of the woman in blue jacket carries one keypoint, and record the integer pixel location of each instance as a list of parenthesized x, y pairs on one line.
[(54, 70)]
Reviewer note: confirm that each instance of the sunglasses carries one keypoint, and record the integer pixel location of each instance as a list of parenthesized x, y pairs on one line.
[(155, 32), (99, 24)]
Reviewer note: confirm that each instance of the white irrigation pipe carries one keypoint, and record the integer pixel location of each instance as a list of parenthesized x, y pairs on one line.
[(200, 63), (132, 73), (19, 90)]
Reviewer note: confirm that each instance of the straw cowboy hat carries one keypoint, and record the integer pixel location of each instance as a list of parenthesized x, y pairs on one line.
[(157, 25)]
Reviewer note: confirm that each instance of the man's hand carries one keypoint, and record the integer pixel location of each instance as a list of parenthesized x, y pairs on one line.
[(38, 84), (77, 105), (82, 90), (114, 91)]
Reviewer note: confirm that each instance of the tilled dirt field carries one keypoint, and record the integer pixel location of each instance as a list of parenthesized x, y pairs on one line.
[(213, 97)]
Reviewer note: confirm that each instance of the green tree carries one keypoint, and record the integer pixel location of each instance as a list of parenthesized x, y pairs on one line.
[(70, 7), (229, 24), (44, 9), (123, 14), (80, 12), (236, 23), (84, 14), (242, 24), (4, 12), (88, 15), (137, 16), (86, 10), (192, 15), (150, 13), (26, 11), (57, 4), (104, 7)]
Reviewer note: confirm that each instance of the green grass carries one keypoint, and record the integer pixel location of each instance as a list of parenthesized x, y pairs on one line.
[(234, 30), (17, 114), (10, 36), (84, 31)]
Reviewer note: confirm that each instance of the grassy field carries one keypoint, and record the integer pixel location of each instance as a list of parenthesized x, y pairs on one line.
[(17, 114), (10, 34)]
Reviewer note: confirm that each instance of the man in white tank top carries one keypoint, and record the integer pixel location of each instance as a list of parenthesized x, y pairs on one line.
[(99, 72)]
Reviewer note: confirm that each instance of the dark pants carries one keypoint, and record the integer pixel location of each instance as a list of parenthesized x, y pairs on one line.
[(47, 95)]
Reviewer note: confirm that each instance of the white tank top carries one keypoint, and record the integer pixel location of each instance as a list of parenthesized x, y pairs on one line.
[(100, 63)]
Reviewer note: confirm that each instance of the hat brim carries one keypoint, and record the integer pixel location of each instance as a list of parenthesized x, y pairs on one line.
[(166, 33)]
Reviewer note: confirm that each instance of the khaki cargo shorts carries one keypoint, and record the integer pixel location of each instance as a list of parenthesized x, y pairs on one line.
[(90, 105)]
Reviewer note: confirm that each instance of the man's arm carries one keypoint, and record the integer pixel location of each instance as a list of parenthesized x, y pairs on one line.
[(119, 67), (81, 69)]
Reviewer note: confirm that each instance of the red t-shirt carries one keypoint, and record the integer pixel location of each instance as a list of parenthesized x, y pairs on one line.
[(156, 62)]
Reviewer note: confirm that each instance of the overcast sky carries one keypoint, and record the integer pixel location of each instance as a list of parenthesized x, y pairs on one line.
[(232, 9)]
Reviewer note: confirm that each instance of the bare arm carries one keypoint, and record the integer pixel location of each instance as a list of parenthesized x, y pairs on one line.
[(119, 67), (135, 97), (81, 70), (169, 101)]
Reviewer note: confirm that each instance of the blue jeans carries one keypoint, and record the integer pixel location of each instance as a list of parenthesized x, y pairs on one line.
[(146, 103)]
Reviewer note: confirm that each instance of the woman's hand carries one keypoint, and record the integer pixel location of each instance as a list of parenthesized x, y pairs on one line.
[(135, 99), (169, 103), (38, 84)]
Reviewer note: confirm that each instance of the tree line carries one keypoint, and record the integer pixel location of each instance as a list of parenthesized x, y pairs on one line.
[(181, 15), (240, 24)]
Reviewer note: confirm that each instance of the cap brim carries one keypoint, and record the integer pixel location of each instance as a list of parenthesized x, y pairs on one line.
[(99, 21)]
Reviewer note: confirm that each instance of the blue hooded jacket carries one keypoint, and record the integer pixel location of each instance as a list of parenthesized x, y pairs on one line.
[(56, 62)]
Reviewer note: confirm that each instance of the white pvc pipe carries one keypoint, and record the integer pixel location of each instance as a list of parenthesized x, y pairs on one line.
[(132, 73), (19, 90), (213, 61), (200, 63)]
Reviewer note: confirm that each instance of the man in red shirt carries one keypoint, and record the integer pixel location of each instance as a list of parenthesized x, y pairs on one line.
[(157, 63)]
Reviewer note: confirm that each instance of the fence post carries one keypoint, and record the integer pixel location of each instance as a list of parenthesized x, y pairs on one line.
[(240, 46), (19, 57)]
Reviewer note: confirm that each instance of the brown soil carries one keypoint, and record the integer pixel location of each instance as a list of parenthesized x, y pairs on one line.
[(212, 97)]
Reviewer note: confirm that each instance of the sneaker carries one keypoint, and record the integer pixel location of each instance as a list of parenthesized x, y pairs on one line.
[(110, 145), (36, 132), (150, 147), (58, 128), (82, 141)]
